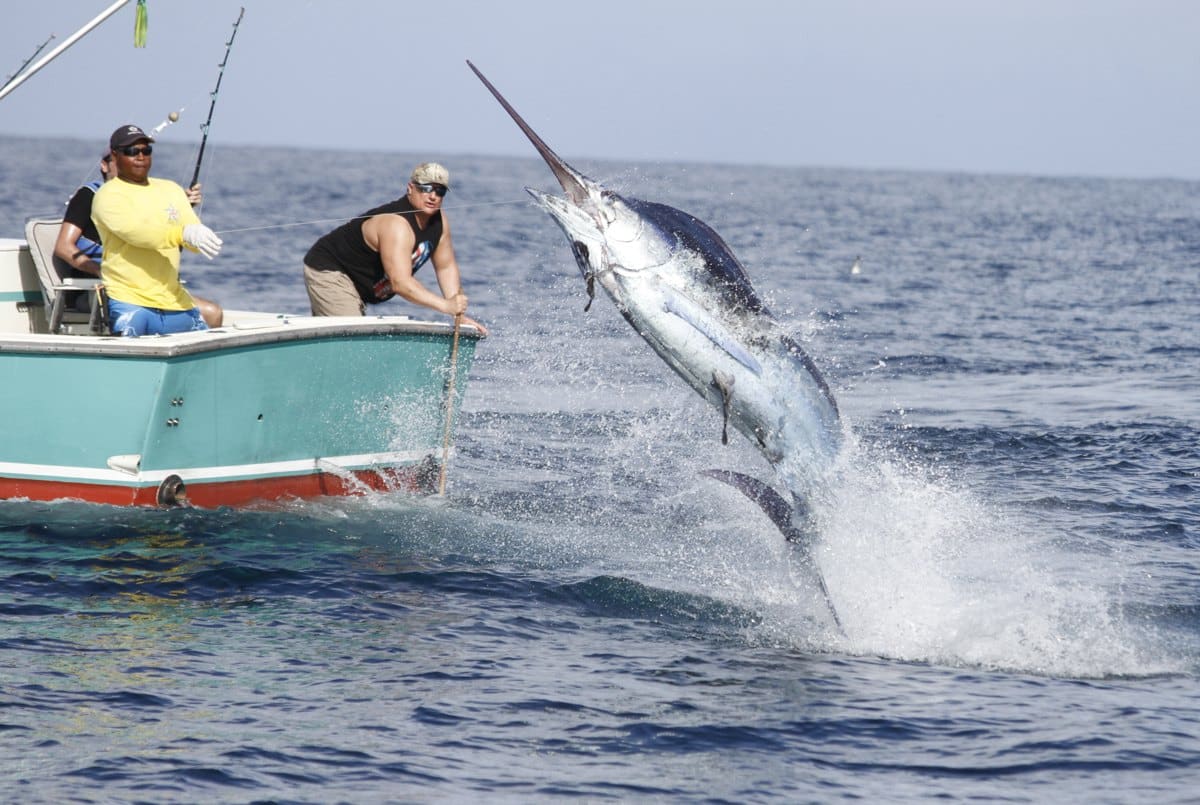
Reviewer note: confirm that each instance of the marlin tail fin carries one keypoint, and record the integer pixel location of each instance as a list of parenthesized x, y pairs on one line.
[(783, 515)]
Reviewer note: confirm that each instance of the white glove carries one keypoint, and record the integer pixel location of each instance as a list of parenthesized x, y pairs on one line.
[(202, 239)]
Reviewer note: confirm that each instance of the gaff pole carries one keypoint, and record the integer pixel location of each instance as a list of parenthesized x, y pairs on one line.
[(449, 407)]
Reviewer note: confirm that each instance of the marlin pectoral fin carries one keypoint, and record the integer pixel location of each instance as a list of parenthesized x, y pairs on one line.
[(724, 384), (783, 516), (583, 260), (693, 316)]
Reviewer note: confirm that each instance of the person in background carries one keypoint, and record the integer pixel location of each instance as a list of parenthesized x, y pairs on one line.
[(373, 257), (142, 222), (78, 244)]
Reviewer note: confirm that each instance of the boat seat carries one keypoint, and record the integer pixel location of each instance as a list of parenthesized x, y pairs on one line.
[(53, 272)]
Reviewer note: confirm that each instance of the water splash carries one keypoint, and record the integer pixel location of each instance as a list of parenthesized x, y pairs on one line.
[(924, 568)]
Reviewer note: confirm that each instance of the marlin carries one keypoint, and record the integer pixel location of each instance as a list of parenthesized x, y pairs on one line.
[(682, 289)]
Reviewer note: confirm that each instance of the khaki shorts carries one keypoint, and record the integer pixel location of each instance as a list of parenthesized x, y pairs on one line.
[(332, 293)]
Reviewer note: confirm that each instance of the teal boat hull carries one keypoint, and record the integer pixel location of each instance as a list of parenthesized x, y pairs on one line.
[(267, 408)]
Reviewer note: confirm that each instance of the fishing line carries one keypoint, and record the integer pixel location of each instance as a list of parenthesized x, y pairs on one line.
[(94, 171), (357, 217)]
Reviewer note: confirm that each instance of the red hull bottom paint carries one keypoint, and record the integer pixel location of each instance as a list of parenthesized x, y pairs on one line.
[(419, 479)]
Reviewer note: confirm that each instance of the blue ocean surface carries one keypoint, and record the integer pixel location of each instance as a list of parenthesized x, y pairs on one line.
[(1010, 543)]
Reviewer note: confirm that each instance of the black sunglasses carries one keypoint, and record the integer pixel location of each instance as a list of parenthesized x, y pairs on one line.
[(440, 189), (135, 150)]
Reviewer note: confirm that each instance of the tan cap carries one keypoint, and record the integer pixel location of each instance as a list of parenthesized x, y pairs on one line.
[(430, 173)]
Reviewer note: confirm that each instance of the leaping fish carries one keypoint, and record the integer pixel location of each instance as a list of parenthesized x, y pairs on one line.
[(682, 289)]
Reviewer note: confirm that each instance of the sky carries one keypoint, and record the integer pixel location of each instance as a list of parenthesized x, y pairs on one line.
[(1044, 87)]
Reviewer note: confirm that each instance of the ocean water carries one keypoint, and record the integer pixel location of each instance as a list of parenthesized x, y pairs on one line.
[(1011, 545)]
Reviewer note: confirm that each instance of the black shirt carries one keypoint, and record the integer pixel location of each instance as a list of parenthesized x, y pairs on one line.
[(345, 250)]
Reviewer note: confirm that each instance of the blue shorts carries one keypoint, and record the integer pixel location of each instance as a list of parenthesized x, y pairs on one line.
[(134, 320)]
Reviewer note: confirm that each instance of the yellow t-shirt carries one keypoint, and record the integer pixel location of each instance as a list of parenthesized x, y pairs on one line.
[(141, 227)]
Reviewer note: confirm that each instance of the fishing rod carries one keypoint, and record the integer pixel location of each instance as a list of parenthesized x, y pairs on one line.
[(28, 61), (52, 55), (216, 89)]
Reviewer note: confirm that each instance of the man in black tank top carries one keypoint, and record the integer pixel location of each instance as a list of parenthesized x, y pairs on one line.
[(373, 257)]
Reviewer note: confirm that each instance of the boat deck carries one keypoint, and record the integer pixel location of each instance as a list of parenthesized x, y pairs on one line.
[(242, 328)]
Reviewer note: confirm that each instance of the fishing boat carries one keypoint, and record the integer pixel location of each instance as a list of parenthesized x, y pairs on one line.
[(267, 406)]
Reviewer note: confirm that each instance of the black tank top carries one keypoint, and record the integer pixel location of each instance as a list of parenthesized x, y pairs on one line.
[(345, 250)]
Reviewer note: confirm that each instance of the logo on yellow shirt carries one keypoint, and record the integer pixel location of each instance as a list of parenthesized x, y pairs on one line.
[(172, 214)]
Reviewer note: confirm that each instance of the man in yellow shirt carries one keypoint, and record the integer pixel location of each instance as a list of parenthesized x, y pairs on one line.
[(142, 223)]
